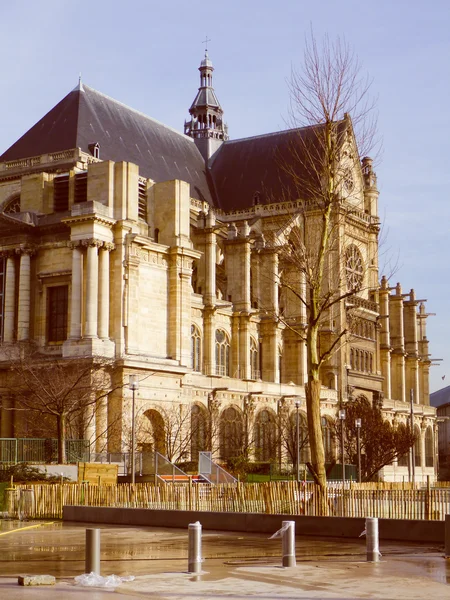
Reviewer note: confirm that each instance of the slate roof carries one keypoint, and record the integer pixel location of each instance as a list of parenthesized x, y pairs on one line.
[(86, 116), (241, 173), (254, 168)]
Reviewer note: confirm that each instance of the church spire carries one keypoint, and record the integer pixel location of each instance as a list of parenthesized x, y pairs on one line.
[(206, 124)]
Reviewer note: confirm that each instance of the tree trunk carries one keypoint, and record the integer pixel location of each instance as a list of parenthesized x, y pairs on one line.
[(313, 388), (62, 439)]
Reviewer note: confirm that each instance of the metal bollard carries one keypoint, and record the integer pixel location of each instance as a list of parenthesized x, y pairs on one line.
[(288, 544), (372, 546), (92, 557), (195, 547), (447, 536)]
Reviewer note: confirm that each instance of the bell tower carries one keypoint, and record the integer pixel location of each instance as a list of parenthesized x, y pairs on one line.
[(206, 124)]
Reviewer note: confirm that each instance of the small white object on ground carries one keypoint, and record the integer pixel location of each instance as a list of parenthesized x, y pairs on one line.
[(95, 580)]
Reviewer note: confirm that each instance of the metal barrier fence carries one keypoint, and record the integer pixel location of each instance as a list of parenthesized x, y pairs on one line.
[(212, 472), (287, 498), (39, 450)]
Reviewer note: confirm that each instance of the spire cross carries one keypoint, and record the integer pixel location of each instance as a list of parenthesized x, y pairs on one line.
[(206, 44)]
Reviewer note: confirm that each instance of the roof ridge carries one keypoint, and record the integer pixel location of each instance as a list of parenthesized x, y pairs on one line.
[(88, 88), (274, 133)]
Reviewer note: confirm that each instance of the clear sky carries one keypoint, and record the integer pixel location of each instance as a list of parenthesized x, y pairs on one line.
[(146, 54)]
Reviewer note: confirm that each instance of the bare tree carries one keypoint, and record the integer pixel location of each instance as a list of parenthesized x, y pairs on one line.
[(61, 394), (322, 173), (381, 443)]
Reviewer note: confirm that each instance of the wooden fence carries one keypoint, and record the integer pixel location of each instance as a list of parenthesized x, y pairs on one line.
[(45, 501)]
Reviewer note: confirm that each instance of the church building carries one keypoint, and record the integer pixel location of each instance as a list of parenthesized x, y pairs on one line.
[(162, 252)]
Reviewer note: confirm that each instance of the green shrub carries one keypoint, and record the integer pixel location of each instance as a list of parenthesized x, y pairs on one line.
[(23, 472)]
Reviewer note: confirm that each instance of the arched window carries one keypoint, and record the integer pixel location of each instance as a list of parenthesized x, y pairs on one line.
[(327, 439), (12, 205), (198, 431), (222, 353), (231, 433), (254, 359), (196, 348), (402, 461), (265, 435), (417, 448), (429, 448)]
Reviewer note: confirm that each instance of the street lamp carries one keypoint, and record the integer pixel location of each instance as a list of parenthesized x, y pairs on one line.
[(342, 418), (297, 406), (358, 446), (133, 384)]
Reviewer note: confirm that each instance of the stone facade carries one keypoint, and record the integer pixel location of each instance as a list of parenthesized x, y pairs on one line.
[(187, 296)]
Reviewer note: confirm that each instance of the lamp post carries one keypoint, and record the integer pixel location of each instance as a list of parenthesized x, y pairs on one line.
[(342, 418), (358, 446), (133, 385), (297, 406)]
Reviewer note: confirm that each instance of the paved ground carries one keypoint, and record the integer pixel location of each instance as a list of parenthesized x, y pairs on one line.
[(236, 566)]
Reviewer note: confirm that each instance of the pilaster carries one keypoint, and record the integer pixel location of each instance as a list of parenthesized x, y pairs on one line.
[(10, 299), (23, 319)]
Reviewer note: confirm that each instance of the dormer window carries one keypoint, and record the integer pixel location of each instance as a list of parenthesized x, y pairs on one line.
[(94, 149)]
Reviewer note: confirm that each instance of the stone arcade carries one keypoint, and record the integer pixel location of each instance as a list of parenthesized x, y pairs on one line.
[(121, 237)]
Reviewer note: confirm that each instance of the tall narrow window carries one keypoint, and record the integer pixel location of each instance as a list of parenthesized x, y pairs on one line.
[(142, 199), (80, 187), (57, 307), (327, 439), (222, 353), (254, 359), (61, 193), (417, 448), (429, 452), (196, 341)]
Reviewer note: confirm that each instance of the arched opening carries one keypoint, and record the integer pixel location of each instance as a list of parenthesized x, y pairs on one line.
[(231, 433), (155, 432), (265, 435), (199, 428)]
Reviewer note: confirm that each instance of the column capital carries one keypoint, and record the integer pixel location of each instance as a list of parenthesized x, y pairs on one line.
[(7, 253), (92, 242), (109, 246), (73, 244), (26, 250)]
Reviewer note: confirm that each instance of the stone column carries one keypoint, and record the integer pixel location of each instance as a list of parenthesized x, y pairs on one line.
[(23, 320), (77, 285), (91, 306), (103, 297), (398, 388), (101, 425), (385, 342), (10, 299), (210, 259)]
